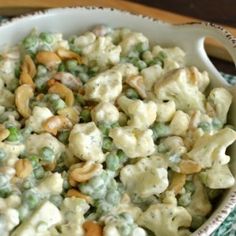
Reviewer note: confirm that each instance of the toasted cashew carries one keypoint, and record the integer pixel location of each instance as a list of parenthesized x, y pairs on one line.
[(71, 113), (189, 167), (49, 59), (63, 92), (75, 193), (92, 228), (23, 168), (67, 54), (23, 94), (50, 166), (25, 78), (82, 172), (68, 80), (137, 83), (55, 123), (4, 133), (177, 182), (29, 66)]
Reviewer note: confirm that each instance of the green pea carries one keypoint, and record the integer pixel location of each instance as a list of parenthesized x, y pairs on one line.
[(47, 154), (93, 71), (56, 200), (205, 126), (113, 197), (41, 71), (122, 156), (140, 64), (83, 77), (104, 128), (34, 161), (66, 184), (63, 136), (28, 183), (72, 66), (46, 37), (61, 67), (23, 211), (3, 154), (58, 104), (141, 47), (216, 124), (189, 186), (41, 83), (112, 162), (197, 221), (25, 132), (85, 116), (160, 130), (39, 172), (133, 55), (185, 199), (159, 59), (131, 93), (15, 134), (80, 100), (31, 199), (107, 144), (30, 43)]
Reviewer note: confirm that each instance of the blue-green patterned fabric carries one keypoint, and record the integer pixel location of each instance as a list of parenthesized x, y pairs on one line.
[(228, 227)]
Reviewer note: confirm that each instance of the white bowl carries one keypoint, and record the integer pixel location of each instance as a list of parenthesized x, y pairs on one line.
[(190, 37)]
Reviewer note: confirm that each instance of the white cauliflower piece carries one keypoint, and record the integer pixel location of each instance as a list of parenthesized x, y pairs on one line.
[(105, 87), (47, 212), (51, 184), (179, 86), (37, 141), (126, 69), (142, 114), (210, 149), (39, 115), (180, 123), (85, 39), (105, 112), (223, 179), (145, 178), (12, 151), (130, 40), (134, 142), (151, 75), (165, 111), (59, 42), (165, 219), (102, 51), (200, 204), (220, 100), (85, 142), (12, 219)]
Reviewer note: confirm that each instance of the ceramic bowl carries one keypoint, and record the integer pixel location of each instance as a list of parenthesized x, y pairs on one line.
[(189, 37)]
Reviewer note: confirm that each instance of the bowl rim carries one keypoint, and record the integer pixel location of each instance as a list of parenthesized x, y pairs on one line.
[(210, 225)]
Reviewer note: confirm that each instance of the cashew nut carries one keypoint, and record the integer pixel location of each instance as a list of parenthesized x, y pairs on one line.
[(23, 94), (4, 133), (67, 54), (189, 167), (23, 168), (92, 228), (63, 92), (68, 80), (177, 182), (71, 113), (50, 166), (82, 172), (49, 59), (25, 78), (75, 193), (29, 66), (137, 83), (55, 123)]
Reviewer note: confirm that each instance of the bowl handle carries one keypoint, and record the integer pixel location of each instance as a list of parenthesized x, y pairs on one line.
[(199, 31)]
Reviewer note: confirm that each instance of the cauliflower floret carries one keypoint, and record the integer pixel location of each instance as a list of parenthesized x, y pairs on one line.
[(223, 179), (51, 184), (180, 123), (102, 51), (126, 69), (200, 204), (10, 217), (165, 219), (85, 142), (59, 42), (179, 86), (132, 141), (165, 111), (151, 75), (220, 100), (105, 87), (145, 178), (210, 149), (12, 152), (105, 112), (142, 114), (47, 213), (85, 40), (39, 115), (37, 141), (130, 40)]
